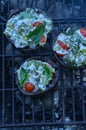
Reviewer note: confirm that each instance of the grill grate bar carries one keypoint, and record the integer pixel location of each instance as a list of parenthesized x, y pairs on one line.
[(50, 46), (18, 3), (53, 113), (54, 7), (8, 5), (23, 109), (62, 84), (63, 6), (3, 90), (8, 55), (59, 124), (73, 99), (36, 3), (43, 109), (33, 110), (83, 107), (45, 6), (73, 105), (82, 5), (82, 94), (13, 77), (8, 89), (59, 24), (81, 75), (72, 8), (3, 81)]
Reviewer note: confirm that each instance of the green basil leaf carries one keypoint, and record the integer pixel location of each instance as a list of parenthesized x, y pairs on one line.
[(48, 71), (83, 50), (23, 76), (37, 34)]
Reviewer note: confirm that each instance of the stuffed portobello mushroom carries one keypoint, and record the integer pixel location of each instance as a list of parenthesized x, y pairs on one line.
[(28, 28), (36, 76), (70, 47)]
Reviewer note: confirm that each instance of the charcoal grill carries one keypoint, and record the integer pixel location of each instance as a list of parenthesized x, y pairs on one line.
[(17, 110)]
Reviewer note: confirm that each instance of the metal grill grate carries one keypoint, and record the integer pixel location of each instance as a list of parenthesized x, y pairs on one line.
[(68, 100)]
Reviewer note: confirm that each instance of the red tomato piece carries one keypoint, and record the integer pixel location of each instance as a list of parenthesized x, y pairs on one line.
[(83, 31), (60, 55), (43, 40), (63, 45), (29, 87), (36, 24)]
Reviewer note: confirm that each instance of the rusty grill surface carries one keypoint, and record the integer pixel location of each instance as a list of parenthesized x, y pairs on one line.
[(66, 104)]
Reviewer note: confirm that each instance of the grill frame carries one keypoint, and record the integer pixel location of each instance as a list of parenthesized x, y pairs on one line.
[(12, 89)]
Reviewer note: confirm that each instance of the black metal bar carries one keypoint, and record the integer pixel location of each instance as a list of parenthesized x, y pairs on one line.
[(50, 46), (62, 84), (63, 7), (68, 19), (53, 113), (33, 110), (59, 29), (43, 109), (82, 94), (8, 55), (23, 115), (73, 105), (8, 7), (72, 8), (45, 5), (81, 75), (17, 3), (73, 100), (36, 3), (54, 7), (8, 89), (59, 124), (3, 75), (82, 6), (13, 77), (83, 107)]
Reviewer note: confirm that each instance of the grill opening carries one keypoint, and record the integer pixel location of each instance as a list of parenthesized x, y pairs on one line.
[(65, 106)]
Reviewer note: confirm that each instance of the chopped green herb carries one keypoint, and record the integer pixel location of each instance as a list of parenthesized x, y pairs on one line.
[(23, 77), (37, 34), (48, 71)]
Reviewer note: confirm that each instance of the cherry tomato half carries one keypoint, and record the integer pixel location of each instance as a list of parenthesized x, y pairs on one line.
[(29, 87), (43, 40), (63, 45), (83, 31), (36, 24), (60, 55)]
